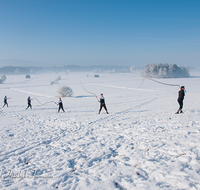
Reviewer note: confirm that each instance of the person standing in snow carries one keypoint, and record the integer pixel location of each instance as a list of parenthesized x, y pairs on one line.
[(5, 101), (102, 103), (29, 102), (181, 95), (60, 105)]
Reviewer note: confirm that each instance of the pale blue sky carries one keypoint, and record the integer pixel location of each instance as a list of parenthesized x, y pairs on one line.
[(101, 32)]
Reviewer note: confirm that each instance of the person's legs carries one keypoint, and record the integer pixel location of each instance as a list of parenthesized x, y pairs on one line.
[(101, 105), (105, 108), (180, 106), (63, 109), (29, 105), (59, 109)]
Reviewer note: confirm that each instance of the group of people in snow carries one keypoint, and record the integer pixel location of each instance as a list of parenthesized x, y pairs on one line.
[(60, 104), (181, 95)]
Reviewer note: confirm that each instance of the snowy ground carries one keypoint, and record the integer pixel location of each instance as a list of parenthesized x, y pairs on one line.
[(141, 144)]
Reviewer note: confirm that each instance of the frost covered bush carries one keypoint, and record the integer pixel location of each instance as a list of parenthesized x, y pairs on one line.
[(65, 91), (55, 81), (51, 82), (17, 71), (159, 70), (58, 78), (132, 69), (3, 78), (68, 71)]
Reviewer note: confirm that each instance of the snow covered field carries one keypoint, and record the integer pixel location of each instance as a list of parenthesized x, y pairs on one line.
[(140, 144)]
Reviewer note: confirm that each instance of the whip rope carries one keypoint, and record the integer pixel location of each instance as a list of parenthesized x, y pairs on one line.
[(89, 91), (158, 82), (44, 103), (37, 100)]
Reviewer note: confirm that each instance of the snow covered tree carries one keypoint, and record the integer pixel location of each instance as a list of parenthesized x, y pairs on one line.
[(17, 71), (65, 91), (51, 82), (58, 78), (159, 70), (3, 78), (132, 69)]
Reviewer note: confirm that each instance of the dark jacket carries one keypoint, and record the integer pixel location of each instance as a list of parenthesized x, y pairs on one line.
[(60, 103), (29, 100), (5, 100), (102, 100), (181, 94)]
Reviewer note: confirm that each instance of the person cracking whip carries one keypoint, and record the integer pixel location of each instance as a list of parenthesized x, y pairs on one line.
[(5, 101), (101, 100), (102, 103), (60, 105), (181, 95), (29, 102)]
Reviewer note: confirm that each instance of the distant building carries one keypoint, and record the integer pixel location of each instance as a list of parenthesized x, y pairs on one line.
[(28, 76)]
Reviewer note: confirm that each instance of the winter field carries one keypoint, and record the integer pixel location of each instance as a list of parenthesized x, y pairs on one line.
[(140, 144)]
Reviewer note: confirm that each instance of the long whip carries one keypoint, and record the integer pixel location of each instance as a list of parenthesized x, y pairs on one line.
[(44, 103), (89, 91), (158, 82)]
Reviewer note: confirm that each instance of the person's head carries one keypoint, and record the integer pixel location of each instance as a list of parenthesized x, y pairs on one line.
[(101, 94), (182, 87), (5, 96), (29, 97), (59, 98)]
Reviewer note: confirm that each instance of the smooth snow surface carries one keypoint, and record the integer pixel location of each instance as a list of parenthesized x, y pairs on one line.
[(140, 144)]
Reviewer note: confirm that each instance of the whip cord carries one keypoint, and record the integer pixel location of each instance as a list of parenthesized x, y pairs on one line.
[(89, 91), (158, 82), (44, 103)]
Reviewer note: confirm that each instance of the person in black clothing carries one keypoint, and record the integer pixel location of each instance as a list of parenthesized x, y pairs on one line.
[(60, 105), (181, 95), (102, 104), (29, 102), (5, 101)]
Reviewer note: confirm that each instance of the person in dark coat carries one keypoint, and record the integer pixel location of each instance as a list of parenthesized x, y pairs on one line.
[(5, 101), (102, 104), (181, 95), (60, 105), (29, 102)]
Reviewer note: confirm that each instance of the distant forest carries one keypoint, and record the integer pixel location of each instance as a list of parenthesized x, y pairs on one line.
[(68, 68)]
